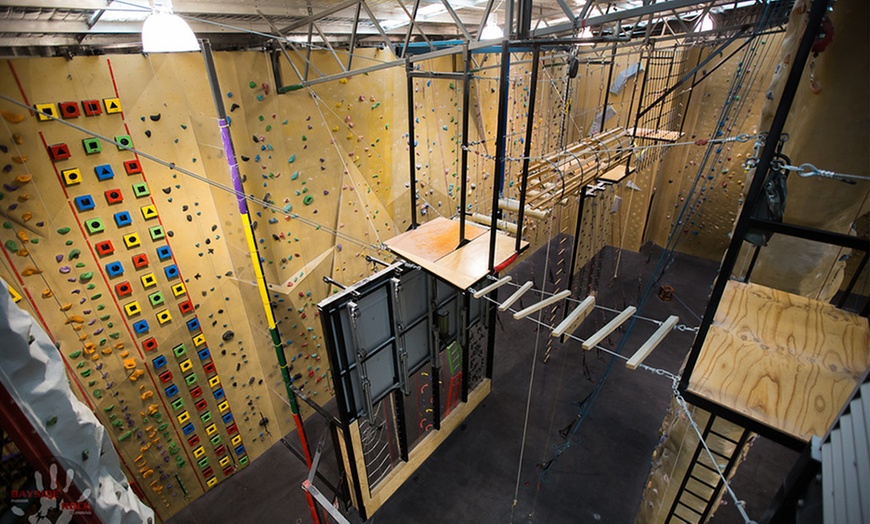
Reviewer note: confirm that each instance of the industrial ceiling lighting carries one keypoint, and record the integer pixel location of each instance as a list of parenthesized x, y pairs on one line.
[(164, 32), (491, 31), (705, 24)]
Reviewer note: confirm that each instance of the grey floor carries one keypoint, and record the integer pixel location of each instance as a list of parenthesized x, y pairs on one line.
[(500, 468)]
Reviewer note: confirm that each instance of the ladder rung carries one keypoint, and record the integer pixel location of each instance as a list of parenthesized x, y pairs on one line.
[(702, 482), (690, 508)]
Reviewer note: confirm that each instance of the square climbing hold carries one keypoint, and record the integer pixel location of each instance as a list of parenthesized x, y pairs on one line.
[(164, 316), (179, 350), (114, 196), (223, 406), (149, 344), (132, 308), (196, 392), (156, 233), (179, 289), (124, 142), (214, 381), (193, 324), (141, 327), (208, 368), (193, 441), (69, 110), (131, 240), (171, 271), (132, 167), (114, 269), (104, 248), (158, 362), (201, 404), (140, 260), (104, 172), (218, 393), (185, 365), (94, 226), (113, 105), (199, 340), (177, 404), (92, 107), (84, 203), (148, 280), (122, 218), (140, 189), (190, 379), (163, 253), (72, 176), (171, 391), (156, 298), (58, 152), (148, 212), (203, 353), (215, 440), (185, 307), (92, 146), (166, 376), (46, 112), (206, 417), (123, 289), (227, 417)]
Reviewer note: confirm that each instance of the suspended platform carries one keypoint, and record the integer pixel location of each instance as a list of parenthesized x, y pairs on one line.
[(434, 246), (786, 361)]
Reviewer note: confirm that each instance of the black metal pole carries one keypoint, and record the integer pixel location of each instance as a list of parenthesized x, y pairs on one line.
[(527, 149), (753, 195), (607, 88), (412, 151), (463, 155), (500, 145), (854, 280), (575, 247)]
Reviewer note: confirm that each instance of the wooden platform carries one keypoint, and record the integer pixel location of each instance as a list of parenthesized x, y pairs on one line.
[(784, 360), (615, 174), (433, 246), (655, 134)]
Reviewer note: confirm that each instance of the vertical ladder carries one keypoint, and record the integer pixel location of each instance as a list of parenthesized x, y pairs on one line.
[(702, 487)]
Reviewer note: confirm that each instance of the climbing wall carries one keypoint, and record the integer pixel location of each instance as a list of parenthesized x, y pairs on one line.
[(698, 187), (131, 268)]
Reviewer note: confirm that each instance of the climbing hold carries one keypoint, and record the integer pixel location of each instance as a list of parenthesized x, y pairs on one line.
[(228, 335), (308, 200), (155, 118), (12, 118)]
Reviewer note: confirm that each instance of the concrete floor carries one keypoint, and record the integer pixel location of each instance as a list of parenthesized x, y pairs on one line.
[(477, 474)]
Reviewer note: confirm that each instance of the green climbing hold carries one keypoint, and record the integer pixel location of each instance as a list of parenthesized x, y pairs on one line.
[(291, 159), (114, 336), (86, 373), (97, 296), (308, 200), (125, 436), (11, 245), (34, 240), (288, 208), (8, 225), (294, 176), (74, 254), (81, 364), (80, 265), (63, 230), (252, 84), (109, 408), (376, 104), (98, 393), (87, 275)]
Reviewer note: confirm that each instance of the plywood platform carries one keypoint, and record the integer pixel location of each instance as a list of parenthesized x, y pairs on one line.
[(433, 246), (655, 134), (615, 174), (784, 360)]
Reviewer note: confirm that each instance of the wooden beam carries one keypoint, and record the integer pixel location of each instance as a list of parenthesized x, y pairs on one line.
[(611, 326), (542, 304), (575, 318), (652, 342), (495, 285), (513, 298)]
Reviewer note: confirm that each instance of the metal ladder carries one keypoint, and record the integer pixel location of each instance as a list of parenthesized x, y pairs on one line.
[(702, 487)]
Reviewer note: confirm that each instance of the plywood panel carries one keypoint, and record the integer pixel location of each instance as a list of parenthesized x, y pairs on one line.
[(786, 361)]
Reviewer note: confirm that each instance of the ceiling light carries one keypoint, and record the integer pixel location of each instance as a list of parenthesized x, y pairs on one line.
[(705, 24), (491, 31), (164, 32)]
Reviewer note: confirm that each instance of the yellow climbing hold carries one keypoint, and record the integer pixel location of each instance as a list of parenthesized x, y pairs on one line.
[(19, 159), (23, 179), (46, 293), (130, 363), (75, 319), (12, 118), (30, 271)]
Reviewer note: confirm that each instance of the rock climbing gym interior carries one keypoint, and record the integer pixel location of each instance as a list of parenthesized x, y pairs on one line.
[(427, 261)]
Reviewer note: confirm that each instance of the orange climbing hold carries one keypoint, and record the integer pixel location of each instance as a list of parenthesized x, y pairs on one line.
[(130, 363), (46, 293), (22, 235), (19, 159), (12, 118), (27, 215), (23, 179), (75, 319)]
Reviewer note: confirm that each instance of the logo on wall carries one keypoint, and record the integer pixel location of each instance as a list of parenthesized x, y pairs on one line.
[(52, 500)]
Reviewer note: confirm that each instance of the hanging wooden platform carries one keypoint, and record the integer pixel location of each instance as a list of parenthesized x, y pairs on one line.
[(615, 174), (433, 246), (655, 134), (783, 360)]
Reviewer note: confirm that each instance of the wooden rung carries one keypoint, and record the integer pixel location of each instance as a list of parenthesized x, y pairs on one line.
[(516, 296), (575, 318), (542, 304), (652, 342), (495, 285), (611, 326)]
